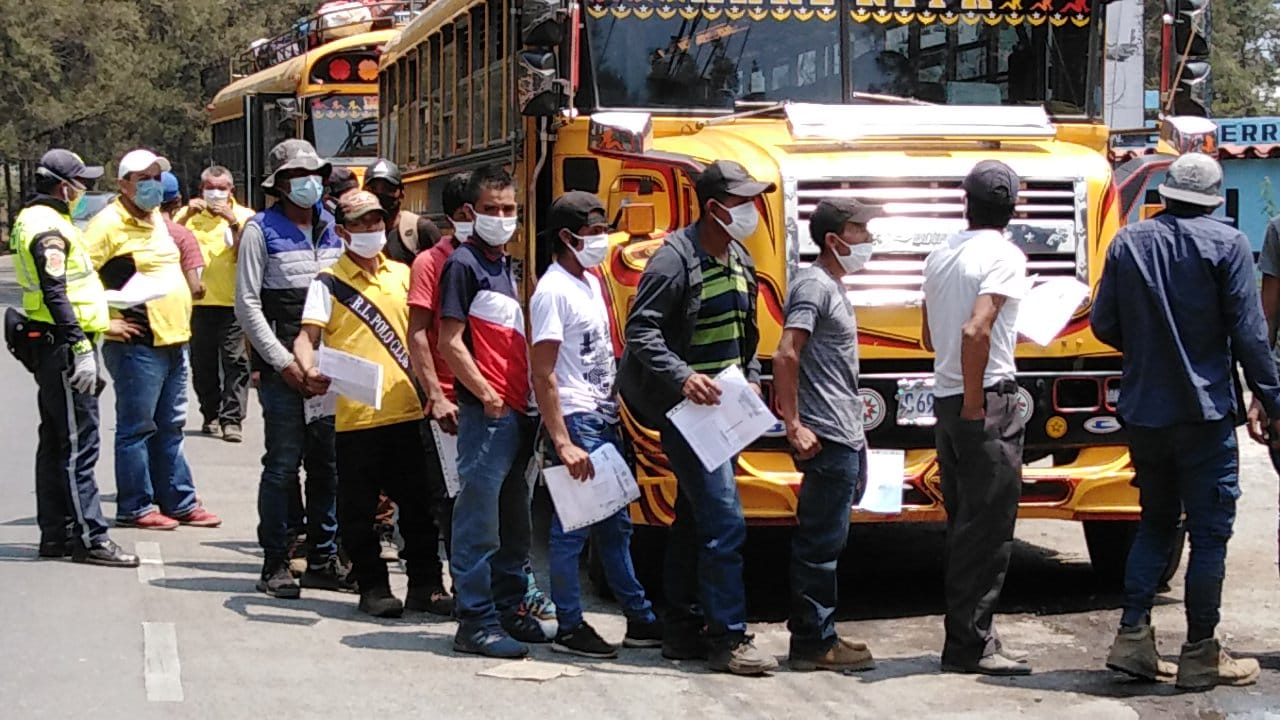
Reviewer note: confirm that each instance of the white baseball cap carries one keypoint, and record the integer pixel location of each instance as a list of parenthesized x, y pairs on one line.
[(139, 161)]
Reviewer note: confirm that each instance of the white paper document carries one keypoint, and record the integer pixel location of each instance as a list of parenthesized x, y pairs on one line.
[(718, 432), (885, 469), (353, 377), (141, 289), (320, 406), (580, 504), (1047, 307), (447, 447)]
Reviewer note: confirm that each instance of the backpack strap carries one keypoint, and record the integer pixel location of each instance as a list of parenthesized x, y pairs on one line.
[(409, 230)]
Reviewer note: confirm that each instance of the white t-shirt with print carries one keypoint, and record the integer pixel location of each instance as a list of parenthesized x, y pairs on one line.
[(969, 264), (572, 311)]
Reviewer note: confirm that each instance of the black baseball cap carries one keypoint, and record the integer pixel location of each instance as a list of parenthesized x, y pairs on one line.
[(726, 177), (575, 210), (341, 180), (993, 183), (383, 169), (67, 165), (831, 216)]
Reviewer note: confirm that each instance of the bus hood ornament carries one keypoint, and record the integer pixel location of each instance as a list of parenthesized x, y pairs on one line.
[(808, 121)]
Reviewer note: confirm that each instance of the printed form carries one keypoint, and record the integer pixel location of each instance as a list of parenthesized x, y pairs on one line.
[(352, 377), (583, 503), (716, 433)]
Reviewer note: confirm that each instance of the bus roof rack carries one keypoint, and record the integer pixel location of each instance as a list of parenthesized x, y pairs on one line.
[(332, 20)]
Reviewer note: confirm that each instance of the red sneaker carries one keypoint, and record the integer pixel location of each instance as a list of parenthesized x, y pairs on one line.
[(200, 518), (154, 520)]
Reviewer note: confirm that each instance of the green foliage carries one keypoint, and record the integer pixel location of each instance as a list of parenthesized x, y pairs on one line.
[(1244, 36), (104, 76)]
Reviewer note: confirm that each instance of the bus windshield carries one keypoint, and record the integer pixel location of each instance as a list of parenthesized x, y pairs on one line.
[(343, 125), (677, 56)]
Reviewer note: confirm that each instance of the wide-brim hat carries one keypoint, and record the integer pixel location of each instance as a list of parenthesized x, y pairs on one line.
[(294, 155)]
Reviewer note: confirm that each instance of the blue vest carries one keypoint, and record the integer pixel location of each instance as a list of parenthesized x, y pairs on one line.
[(293, 261)]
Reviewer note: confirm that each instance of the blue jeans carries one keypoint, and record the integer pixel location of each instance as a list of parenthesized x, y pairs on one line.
[(292, 443), (703, 573), (834, 480), (492, 526), (612, 538), (151, 410), (1185, 467)]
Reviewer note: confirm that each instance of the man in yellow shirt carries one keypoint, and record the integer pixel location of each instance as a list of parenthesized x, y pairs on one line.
[(219, 356), (360, 306), (128, 239)]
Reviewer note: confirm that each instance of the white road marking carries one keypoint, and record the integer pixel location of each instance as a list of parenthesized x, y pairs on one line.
[(151, 563), (161, 667)]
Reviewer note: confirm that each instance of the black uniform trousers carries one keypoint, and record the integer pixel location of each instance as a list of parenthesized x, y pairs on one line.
[(219, 365), (981, 463)]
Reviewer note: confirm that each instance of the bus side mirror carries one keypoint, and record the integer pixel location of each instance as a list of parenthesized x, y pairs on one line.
[(620, 134), (1181, 134), (541, 23), (638, 220), (538, 89)]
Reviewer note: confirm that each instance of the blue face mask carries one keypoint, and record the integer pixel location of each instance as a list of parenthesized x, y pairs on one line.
[(148, 195), (305, 191)]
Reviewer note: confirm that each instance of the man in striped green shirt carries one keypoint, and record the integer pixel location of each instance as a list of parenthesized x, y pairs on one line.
[(718, 333)]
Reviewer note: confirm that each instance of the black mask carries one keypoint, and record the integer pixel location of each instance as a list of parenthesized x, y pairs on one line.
[(390, 204)]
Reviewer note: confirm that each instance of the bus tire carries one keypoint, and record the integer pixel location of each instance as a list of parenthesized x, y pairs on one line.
[(1109, 542)]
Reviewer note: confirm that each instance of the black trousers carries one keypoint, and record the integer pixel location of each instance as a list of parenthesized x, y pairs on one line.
[(219, 364), (981, 463), (388, 459), (67, 502)]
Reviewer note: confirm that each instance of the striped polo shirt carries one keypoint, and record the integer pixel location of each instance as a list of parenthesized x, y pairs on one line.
[(722, 316)]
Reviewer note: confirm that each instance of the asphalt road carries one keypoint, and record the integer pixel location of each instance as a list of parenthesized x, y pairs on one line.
[(187, 633)]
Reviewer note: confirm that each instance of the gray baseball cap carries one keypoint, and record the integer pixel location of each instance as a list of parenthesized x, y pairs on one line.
[(1194, 178), (292, 155)]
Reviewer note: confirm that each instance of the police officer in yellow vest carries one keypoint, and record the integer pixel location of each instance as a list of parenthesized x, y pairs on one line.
[(66, 308)]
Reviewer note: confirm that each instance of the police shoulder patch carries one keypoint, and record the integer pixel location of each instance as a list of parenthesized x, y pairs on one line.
[(55, 263)]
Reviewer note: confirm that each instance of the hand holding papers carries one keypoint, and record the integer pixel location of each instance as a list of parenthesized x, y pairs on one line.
[(447, 447), (139, 290), (352, 377), (716, 433), (583, 503), (1047, 307)]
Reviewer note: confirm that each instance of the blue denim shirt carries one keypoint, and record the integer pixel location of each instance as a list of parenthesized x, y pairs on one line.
[(1179, 298)]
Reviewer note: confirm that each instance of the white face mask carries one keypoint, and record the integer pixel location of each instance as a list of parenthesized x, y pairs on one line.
[(857, 258), (462, 230), (495, 231), (215, 197), (594, 249), (743, 220), (367, 244)]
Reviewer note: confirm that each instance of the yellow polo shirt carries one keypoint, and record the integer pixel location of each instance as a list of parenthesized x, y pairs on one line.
[(347, 304), (212, 232), (115, 233)]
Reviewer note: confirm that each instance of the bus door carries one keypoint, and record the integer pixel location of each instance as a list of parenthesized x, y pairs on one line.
[(271, 119)]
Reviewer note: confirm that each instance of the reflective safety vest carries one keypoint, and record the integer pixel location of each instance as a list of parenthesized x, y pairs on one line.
[(83, 286)]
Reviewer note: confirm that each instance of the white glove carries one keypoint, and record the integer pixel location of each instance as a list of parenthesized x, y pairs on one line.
[(84, 374)]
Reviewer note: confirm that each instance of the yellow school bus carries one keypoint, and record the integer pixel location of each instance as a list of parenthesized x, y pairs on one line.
[(318, 81), (888, 101)]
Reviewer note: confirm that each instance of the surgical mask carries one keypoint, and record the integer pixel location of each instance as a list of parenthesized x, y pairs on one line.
[(462, 230), (74, 206), (743, 220), (215, 197), (367, 244), (495, 231), (148, 194), (305, 191), (857, 258), (594, 249)]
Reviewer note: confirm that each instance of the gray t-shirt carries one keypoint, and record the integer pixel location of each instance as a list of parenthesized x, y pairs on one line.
[(1269, 260), (828, 391)]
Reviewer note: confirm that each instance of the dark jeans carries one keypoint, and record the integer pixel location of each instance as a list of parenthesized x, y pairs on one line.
[(703, 573), (441, 503), (611, 539), (67, 503), (389, 458), (219, 364), (292, 443), (492, 524), (981, 463), (1185, 467), (151, 410), (834, 480)]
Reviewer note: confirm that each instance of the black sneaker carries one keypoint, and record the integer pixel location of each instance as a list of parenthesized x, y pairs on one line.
[(55, 549), (278, 582), (434, 600), (106, 553), (684, 641), (329, 576), (379, 602), (642, 634), (585, 641), (524, 627)]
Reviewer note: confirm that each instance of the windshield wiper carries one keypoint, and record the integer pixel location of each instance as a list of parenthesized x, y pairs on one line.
[(890, 99), (754, 109)]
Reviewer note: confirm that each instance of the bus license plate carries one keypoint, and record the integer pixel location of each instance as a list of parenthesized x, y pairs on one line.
[(915, 402)]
